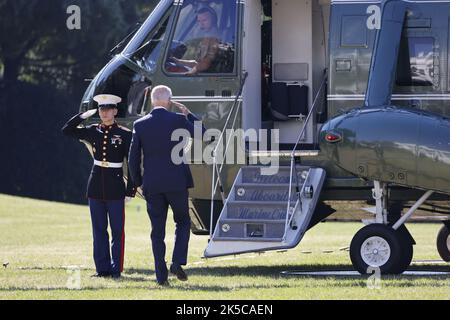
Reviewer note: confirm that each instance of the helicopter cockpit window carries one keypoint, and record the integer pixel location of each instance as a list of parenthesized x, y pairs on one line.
[(205, 38), (416, 62), (147, 54)]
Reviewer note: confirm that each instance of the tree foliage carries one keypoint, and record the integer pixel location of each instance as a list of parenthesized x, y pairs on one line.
[(44, 65), (36, 46)]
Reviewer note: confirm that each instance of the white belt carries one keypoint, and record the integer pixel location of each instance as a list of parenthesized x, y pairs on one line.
[(106, 164)]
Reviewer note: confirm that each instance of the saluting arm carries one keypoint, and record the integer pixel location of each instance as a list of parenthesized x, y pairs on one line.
[(189, 123), (71, 127)]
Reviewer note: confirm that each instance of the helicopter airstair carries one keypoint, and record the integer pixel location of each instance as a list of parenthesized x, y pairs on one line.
[(266, 212)]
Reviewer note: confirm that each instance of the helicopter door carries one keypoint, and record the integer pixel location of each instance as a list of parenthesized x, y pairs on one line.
[(292, 65)]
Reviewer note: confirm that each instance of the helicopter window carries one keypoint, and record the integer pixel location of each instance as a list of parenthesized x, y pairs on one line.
[(147, 54), (416, 62), (204, 38)]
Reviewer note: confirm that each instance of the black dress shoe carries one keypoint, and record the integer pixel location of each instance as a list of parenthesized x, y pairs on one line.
[(101, 275), (116, 275), (179, 272)]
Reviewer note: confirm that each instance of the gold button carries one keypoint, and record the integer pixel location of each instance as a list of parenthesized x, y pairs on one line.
[(104, 153), (104, 148), (106, 137), (104, 159), (104, 142), (107, 132)]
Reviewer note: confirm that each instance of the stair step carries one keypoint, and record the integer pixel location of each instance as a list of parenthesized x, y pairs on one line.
[(254, 221), (267, 185), (274, 203), (253, 175), (266, 192), (249, 239), (256, 210), (284, 153), (251, 229)]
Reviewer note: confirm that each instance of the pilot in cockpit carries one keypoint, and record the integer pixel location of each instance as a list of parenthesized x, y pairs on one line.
[(204, 46)]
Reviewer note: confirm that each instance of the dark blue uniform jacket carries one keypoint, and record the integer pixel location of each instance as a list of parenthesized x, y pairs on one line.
[(110, 144)]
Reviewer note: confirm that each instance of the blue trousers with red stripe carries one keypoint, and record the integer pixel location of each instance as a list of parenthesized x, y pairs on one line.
[(100, 212)]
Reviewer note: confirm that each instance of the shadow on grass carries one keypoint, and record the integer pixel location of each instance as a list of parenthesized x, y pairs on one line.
[(275, 279), (224, 287), (223, 279), (48, 289), (142, 275), (145, 276), (274, 272)]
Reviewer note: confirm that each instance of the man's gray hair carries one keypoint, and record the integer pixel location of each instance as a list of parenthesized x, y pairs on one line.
[(161, 93)]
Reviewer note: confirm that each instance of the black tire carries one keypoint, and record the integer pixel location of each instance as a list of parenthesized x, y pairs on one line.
[(407, 251), (443, 243), (390, 239)]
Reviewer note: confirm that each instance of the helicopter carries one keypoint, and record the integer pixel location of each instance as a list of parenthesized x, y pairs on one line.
[(355, 92)]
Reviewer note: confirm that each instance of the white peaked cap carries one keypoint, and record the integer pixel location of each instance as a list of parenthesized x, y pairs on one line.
[(107, 99)]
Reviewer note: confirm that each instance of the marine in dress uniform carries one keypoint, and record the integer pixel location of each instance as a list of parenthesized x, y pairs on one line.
[(106, 188)]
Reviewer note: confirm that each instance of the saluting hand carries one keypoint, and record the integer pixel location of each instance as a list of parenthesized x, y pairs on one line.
[(184, 110), (88, 114)]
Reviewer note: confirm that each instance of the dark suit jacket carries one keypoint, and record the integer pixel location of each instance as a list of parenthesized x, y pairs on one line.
[(152, 137)]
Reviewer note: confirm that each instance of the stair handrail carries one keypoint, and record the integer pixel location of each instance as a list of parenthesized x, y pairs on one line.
[(292, 168), (218, 170)]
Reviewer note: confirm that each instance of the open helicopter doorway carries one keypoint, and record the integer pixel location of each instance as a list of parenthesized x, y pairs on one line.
[(284, 52)]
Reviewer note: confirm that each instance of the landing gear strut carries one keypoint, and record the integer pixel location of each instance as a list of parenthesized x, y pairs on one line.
[(382, 243)]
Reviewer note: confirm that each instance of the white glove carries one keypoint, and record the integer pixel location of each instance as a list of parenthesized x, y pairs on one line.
[(128, 199), (88, 114)]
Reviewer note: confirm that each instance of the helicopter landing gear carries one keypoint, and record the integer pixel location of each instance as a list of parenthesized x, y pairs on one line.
[(443, 242), (381, 244)]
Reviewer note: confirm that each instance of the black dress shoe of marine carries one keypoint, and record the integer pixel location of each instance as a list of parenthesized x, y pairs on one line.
[(116, 276), (101, 275), (179, 272)]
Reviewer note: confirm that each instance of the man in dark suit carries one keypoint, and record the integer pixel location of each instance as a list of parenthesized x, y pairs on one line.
[(165, 181)]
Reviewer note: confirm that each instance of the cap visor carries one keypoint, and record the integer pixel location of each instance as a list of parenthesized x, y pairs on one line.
[(107, 106)]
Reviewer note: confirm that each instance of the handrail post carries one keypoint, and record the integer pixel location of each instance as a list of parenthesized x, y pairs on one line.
[(214, 156), (213, 191), (289, 200), (302, 132)]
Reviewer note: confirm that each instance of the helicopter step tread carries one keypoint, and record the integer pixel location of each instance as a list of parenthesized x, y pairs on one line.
[(251, 229), (262, 210), (255, 221), (264, 192), (253, 174), (223, 239)]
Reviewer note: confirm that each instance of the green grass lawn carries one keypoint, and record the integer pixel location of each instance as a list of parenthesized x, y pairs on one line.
[(41, 240)]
